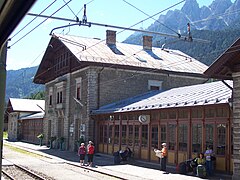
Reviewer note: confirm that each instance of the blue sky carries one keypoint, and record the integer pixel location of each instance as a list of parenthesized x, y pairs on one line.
[(28, 51)]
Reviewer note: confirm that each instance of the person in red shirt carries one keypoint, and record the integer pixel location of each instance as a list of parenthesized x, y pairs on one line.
[(81, 153), (90, 150)]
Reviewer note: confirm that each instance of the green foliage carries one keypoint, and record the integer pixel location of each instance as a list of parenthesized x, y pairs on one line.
[(20, 83), (39, 95), (5, 135)]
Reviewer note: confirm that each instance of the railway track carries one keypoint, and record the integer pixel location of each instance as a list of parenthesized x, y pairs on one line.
[(17, 172)]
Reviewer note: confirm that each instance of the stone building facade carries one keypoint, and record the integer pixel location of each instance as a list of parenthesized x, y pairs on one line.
[(82, 75), (227, 67)]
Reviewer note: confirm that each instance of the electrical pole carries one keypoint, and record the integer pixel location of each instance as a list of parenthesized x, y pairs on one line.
[(3, 59)]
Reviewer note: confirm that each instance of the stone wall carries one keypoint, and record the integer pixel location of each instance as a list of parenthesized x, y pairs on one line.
[(99, 86), (236, 126), (117, 84)]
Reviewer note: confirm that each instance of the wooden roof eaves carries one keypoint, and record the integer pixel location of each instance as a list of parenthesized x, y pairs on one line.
[(40, 70), (224, 60)]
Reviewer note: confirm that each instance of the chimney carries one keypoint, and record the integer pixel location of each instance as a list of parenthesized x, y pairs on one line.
[(147, 42), (110, 37)]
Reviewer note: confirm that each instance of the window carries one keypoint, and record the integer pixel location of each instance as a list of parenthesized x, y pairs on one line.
[(209, 112), (50, 100), (78, 88), (59, 97), (116, 134), (183, 114), (209, 135), (110, 134), (154, 116), (196, 138), (136, 134), (144, 135), (221, 139), (182, 137), (154, 85), (163, 115), (124, 134), (50, 96), (172, 136), (222, 112), (163, 134), (172, 115), (154, 136), (196, 113), (105, 136), (101, 134), (130, 135)]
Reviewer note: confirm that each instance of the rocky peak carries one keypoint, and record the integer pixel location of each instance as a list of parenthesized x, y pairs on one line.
[(220, 6), (191, 9)]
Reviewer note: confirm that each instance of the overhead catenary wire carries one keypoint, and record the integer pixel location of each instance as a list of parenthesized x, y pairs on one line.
[(39, 24), (70, 9), (141, 21), (179, 35), (33, 19)]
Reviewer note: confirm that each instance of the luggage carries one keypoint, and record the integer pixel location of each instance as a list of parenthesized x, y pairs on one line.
[(117, 158), (201, 171), (182, 168)]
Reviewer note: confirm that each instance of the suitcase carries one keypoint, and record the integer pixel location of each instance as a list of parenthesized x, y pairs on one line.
[(201, 171)]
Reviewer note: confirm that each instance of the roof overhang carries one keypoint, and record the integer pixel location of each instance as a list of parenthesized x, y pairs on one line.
[(226, 64), (11, 13)]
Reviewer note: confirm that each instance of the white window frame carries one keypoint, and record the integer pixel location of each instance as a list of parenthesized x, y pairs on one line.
[(155, 83)]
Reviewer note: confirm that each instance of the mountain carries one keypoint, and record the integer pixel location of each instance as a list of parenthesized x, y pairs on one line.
[(219, 23), (19, 83)]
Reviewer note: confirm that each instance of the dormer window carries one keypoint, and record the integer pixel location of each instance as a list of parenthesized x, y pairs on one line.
[(154, 85)]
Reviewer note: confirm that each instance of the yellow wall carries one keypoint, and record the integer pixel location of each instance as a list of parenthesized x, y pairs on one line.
[(144, 154), (231, 165), (182, 157), (105, 148), (171, 157), (153, 156), (136, 152), (100, 147), (116, 148), (220, 163)]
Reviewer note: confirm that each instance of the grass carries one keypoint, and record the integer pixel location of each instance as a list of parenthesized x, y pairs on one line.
[(19, 150), (5, 135)]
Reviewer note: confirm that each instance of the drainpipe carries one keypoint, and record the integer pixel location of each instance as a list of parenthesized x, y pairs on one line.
[(3, 57), (98, 88)]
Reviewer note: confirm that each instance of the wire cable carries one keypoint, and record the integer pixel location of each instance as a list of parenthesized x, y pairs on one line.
[(179, 35), (33, 19), (70, 9), (39, 24)]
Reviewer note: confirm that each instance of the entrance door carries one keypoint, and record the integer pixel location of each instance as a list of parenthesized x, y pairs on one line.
[(182, 142)]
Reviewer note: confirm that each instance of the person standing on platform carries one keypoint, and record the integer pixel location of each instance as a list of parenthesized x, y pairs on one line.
[(90, 151), (209, 164), (81, 153), (164, 157)]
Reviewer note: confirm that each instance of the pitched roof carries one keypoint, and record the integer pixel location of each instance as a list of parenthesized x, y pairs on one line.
[(225, 64), (196, 95), (95, 50), (26, 105), (39, 115)]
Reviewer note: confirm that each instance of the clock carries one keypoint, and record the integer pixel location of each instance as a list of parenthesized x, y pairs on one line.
[(144, 119)]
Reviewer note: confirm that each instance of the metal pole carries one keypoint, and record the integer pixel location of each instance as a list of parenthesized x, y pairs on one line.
[(3, 57)]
